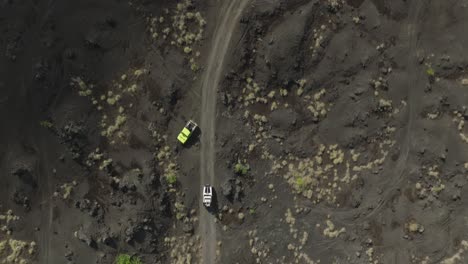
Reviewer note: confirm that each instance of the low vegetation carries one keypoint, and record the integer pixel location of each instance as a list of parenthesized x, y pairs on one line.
[(127, 259), (171, 178), (430, 71), (113, 101), (182, 27), (241, 169), (14, 250), (46, 124)]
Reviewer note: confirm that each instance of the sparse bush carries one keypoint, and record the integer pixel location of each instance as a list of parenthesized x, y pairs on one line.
[(180, 211), (127, 259), (241, 169)]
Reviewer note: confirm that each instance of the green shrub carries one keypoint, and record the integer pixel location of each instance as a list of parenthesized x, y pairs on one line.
[(241, 169), (127, 259), (46, 124), (430, 71), (300, 184), (171, 178)]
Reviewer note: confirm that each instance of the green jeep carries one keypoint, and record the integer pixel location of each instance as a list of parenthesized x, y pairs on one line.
[(187, 131)]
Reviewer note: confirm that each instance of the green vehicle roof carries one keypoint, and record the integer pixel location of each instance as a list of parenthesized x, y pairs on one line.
[(184, 135)]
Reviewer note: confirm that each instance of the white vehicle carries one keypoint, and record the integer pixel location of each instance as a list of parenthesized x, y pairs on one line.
[(207, 195)]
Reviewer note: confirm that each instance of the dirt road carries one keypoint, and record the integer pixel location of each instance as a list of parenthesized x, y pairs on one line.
[(228, 18)]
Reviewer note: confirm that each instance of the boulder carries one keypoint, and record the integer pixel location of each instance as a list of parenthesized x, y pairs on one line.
[(227, 188), (81, 235), (283, 119), (188, 228)]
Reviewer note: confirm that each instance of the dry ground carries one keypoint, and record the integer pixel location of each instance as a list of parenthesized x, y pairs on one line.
[(338, 134)]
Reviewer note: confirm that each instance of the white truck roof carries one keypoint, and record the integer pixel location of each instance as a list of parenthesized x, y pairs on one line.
[(207, 195)]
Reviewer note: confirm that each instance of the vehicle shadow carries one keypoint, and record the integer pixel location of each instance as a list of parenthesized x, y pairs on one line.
[(214, 208)]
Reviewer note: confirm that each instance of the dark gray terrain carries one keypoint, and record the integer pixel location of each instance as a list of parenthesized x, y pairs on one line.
[(332, 131)]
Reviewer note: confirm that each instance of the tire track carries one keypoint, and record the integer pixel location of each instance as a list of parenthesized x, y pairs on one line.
[(45, 187), (400, 168), (401, 165)]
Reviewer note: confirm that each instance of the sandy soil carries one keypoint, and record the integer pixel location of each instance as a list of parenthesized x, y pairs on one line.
[(332, 131)]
